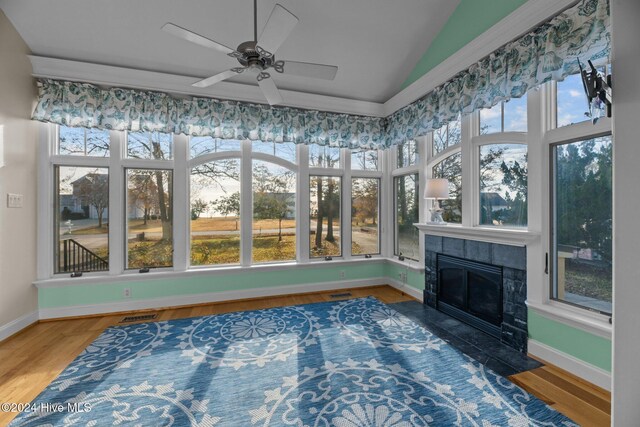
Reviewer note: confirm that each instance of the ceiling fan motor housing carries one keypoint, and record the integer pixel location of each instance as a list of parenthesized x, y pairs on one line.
[(250, 56)]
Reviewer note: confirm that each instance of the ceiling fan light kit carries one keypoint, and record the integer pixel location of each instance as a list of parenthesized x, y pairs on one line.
[(258, 55)]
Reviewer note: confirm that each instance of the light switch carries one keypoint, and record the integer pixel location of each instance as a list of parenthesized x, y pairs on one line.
[(14, 200)]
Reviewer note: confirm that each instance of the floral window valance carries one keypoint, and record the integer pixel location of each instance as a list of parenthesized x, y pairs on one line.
[(82, 104), (550, 52)]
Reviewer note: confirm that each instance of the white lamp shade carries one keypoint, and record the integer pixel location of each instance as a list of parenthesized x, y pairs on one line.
[(437, 188)]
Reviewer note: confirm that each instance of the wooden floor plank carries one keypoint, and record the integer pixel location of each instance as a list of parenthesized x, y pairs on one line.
[(572, 406), (33, 358)]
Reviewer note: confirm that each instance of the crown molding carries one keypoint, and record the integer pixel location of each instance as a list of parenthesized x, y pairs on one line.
[(109, 75), (518, 22)]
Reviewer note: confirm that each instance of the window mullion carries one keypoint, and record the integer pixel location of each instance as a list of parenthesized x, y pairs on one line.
[(181, 203), (345, 212), (388, 204), (470, 171), (422, 184), (246, 204), (302, 204), (117, 204)]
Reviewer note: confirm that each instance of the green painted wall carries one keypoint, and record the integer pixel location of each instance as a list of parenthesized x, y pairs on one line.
[(98, 293), (575, 342), (470, 19), (414, 279)]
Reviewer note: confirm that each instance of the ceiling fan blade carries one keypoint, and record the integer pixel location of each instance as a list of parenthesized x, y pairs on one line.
[(217, 78), (195, 38), (270, 91), (308, 69), (277, 29)]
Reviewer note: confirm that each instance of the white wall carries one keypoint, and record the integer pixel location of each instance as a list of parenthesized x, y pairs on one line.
[(18, 134), (625, 19)]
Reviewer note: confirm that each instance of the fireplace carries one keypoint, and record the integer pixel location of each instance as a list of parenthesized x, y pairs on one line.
[(485, 285), (471, 291)]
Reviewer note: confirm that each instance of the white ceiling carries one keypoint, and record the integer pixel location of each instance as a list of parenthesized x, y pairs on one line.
[(375, 43)]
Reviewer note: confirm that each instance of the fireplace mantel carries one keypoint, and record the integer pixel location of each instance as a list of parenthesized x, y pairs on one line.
[(511, 236)]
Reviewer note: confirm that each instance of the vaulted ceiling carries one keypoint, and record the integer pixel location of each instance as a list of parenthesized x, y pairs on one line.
[(375, 43)]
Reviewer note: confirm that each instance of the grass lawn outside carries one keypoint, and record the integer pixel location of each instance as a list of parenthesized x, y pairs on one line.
[(588, 281)]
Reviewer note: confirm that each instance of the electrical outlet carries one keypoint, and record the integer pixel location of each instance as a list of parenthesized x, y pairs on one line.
[(342, 274), (126, 292), (14, 200)]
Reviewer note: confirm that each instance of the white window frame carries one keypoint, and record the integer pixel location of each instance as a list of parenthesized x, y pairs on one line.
[(542, 128), (357, 173), (180, 165), (515, 138), (393, 171), (434, 158), (555, 136)]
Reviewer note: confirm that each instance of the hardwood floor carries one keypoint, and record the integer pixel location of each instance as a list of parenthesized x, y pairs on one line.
[(30, 360)]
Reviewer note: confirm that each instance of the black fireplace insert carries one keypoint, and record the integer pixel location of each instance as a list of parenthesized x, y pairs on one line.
[(471, 292)]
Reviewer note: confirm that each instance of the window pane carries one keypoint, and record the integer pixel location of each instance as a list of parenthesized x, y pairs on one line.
[(583, 223), (407, 154), (491, 119), (274, 213), (364, 216), (284, 150), (503, 184), (406, 199), (366, 160), (201, 145), (215, 213), (321, 156), (572, 105), (451, 169), (507, 116), (83, 142), (149, 145), (515, 114), (82, 219), (149, 218), (325, 216), (446, 136)]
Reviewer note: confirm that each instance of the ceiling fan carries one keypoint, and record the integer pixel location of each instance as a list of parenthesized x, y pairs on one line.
[(258, 55)]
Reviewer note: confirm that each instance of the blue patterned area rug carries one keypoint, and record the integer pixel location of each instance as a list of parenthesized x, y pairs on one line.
[(352, 363)]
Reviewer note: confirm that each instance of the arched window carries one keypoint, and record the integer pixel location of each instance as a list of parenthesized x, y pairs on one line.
[(214, 197)]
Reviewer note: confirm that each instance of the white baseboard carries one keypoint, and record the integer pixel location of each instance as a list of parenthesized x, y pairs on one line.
[(17, 325), (178, 300), (584, 370), (403, 287)]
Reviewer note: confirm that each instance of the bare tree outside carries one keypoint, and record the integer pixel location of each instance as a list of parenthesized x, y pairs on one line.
[(82, 209), (93, 190), (149, 218), (274, 219), (215, 235), (83, 142), (325, 215), (365, 202)]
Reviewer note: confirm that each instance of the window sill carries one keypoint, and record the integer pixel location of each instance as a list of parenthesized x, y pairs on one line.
[(407, 263), (505, 236), (134, 276), (593, 323)]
